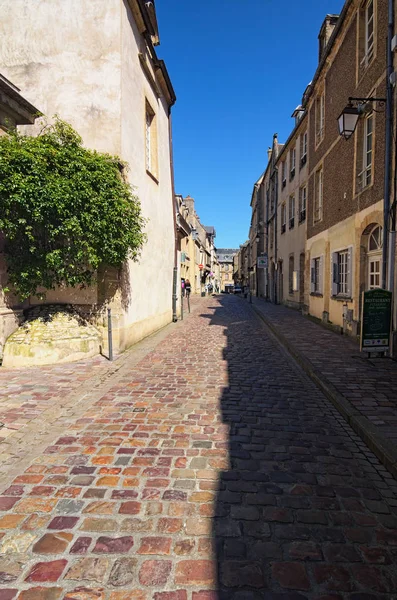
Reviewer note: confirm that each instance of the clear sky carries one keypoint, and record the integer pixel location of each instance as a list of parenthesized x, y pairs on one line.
[(239, 69)]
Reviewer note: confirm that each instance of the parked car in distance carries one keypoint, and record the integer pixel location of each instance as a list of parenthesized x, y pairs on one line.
[(238, 289)]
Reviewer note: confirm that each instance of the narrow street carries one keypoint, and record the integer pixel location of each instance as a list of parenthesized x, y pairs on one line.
[(211, 469)]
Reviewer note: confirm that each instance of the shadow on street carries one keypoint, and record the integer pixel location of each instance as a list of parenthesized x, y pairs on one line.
[(298, 514)]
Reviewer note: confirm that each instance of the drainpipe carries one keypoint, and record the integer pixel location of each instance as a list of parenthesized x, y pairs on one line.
[(388, 259), (175, 270), (267, 241), (275, 235)]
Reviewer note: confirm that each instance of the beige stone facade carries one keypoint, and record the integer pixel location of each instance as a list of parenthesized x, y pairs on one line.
[(226, 267), (324, 240), (94, 63), (292, 164), (198, 259)]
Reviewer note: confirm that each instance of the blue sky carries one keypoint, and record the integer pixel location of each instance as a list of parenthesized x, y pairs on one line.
[(239, 69)]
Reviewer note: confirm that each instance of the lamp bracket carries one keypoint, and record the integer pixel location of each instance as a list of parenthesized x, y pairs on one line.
[(362, 102)]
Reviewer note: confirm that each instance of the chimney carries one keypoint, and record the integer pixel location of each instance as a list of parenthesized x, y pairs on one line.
[(326, 31)]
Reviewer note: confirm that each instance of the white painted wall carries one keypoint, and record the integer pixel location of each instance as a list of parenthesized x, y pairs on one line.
[(79, 59)]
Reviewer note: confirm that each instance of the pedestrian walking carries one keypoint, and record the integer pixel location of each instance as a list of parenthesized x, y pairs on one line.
[(188, 287)]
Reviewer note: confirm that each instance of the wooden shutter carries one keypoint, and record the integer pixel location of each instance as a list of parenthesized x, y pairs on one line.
[(320, 275), (313, 277)]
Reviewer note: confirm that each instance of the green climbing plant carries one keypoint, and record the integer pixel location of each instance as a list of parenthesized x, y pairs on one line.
[(65, 210)]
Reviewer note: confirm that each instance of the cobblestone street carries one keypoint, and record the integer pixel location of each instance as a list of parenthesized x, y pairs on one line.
[(208, 468)]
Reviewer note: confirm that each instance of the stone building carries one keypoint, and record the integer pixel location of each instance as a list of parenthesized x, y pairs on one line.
[(198, 257), (94, 63), (225, 258), (14, 111), (346, 178), (292, 166)]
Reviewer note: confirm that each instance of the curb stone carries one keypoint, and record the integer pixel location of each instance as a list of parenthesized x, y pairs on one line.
[(383, 449)]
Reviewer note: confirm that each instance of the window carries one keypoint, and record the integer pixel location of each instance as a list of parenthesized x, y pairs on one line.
[(316, 278), (375, 244), (320, 114), (318, 196), (367, 34), (365, 174), (150, 140), (291, 211), (292, 163), (283, 218), (342, 273), (302, 204), (283, 174), (291, 274), (226, 276), (303, 149)]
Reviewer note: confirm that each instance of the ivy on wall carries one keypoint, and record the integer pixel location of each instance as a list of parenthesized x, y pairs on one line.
[(65, 210)]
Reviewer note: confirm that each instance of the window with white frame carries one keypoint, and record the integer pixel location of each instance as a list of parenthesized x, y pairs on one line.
[(302, 204), (367, 33), (283, 218), (291, 207), (292, 162), (320, 117), (303, 149), (365, 174), (318, 196), (283, 173), (342, 271), (150, 140), (316, 275)]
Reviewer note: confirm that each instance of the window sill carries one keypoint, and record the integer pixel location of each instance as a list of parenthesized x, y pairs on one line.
[(317, 295), (342, 298), (152, 176)]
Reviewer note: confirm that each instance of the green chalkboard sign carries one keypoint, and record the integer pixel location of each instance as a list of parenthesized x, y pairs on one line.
[(376, 321)]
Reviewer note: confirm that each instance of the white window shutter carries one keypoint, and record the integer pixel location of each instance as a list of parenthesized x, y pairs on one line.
[(313, 277), (334, 274), (320, 275), (350, 271)]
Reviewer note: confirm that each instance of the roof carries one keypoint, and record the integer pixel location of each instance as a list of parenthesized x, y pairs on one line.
[(210, 229), (23, 111), (226, 254)]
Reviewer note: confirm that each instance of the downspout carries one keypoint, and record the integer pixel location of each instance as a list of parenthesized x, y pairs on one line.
[(175, 270), (392, 209), (267, 241), (275, 235), (388, 274)]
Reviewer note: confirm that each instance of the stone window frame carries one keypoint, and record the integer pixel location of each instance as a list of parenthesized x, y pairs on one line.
[(319, 115), (342, 273), (364, 171), (291, 269), (366, 48), (151, 142), (318, 204), (302, 203), (291, 211), (317, 275), (303, 149), (283, 220)]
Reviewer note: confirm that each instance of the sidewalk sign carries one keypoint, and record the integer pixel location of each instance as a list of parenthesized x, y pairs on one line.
[(375, 320), (262, 262)]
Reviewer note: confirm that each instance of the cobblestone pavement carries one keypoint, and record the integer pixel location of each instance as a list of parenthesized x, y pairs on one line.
[(369, 385), (212, 469), (26, 393)]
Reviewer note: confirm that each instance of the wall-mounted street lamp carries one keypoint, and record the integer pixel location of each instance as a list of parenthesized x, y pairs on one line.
[(347, 123), (348, 119)]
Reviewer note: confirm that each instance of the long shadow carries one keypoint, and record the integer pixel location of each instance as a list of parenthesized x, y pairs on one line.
[(299, 501)]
